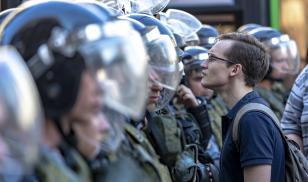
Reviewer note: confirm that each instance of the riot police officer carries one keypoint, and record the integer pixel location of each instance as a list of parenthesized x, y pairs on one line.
[(74, 65), (163, 127), (284, 61)]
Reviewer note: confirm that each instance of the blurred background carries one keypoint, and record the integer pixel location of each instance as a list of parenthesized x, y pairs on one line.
[(288, 16)]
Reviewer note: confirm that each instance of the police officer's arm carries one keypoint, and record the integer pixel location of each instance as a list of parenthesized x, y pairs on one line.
[(198, 110), (258, 173), (186, 97)]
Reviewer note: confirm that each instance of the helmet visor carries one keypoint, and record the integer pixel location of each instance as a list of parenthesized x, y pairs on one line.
[(285, 57), (20, 116), (182, 23), (164, 62), (192, 62), (120, 66), (148, 6)]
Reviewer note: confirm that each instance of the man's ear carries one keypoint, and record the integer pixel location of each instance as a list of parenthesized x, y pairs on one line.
[(236, 69)]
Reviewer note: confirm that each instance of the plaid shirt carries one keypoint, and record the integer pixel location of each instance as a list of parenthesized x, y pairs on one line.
[(295, 116)]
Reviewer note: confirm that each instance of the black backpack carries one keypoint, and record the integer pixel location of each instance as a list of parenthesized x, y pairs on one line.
[(296, 169)]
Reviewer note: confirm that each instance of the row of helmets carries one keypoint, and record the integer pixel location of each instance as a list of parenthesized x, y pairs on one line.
[(47, 45)]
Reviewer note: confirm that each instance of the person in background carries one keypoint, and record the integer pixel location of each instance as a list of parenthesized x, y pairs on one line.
[(284, 62)]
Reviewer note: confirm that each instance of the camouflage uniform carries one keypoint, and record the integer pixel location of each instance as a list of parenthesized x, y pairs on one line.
[(217, 108), (280, 90), (194, 116), (166, 135), (51, 167), (133, 160), (180, 136), (275, 98), (138, 146)]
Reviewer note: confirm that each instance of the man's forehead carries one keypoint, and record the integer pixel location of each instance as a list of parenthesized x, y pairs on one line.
[(225, 43), (221, 46)]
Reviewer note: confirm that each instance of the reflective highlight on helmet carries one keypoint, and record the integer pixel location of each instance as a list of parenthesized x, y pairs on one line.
[(20, 117)]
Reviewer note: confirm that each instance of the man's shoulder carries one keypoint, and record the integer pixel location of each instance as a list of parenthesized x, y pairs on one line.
[(257, 121), (256, 117), (259, 138)]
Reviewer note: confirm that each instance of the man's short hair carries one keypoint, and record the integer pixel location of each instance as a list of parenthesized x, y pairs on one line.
[(250, 53)]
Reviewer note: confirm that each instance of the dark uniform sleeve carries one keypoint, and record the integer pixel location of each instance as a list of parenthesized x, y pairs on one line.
[(256, 139), (201, 115)]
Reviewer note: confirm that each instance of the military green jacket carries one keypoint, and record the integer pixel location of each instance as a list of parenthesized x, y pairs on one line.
[(143, 152), (275, 98), (120, 168), (51, 167), (217, 108)]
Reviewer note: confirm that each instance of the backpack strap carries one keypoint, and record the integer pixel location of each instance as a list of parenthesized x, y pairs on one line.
[(252, 107)]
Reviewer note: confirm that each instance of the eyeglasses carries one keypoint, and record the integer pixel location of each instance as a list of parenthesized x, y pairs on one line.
[(213, 58)]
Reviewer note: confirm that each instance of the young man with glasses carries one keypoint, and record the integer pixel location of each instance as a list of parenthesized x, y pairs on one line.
[(237, 62)]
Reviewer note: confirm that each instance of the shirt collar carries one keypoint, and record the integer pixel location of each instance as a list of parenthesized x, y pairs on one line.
[(244, 100)]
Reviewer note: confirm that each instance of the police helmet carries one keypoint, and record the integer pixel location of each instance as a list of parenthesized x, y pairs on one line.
[(247, 27), (5, 13), (193, 57), (21, 117), (76, 44), (161, 46), (283, 51), (98, 8), (31, 27), (207, 35)]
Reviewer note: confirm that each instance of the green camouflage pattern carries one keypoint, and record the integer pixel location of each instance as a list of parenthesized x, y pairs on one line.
[(50, 169), (122, 164), (275, 98), (145, 154), (179, 157), (216, 109)]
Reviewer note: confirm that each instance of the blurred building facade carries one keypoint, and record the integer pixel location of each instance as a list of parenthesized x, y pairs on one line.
[(289, 16)]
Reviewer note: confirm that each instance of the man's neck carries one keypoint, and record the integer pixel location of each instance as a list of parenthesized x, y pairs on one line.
[(233, 94)]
